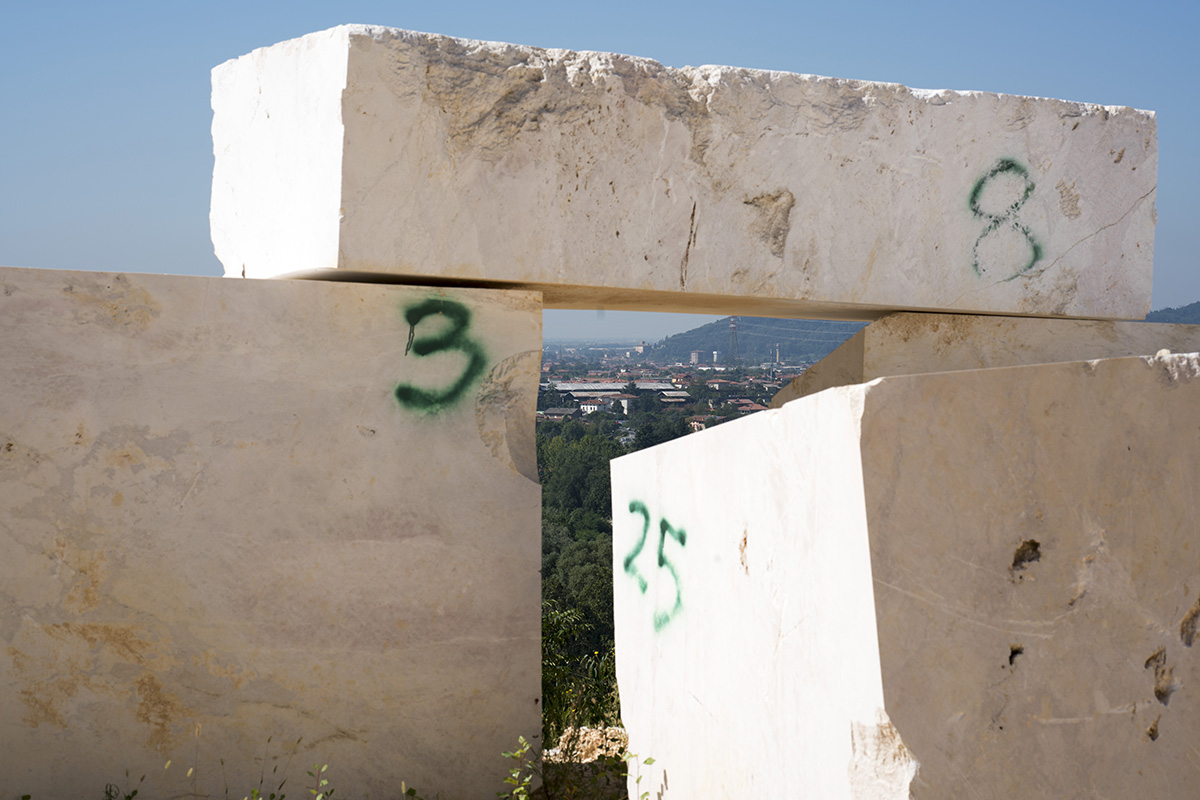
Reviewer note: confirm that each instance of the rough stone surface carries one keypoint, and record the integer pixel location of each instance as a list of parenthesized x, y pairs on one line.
[(905, 344), (986, 579), (223, 531), (613, 181)]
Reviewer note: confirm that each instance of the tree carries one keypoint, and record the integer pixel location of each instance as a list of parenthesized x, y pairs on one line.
[(646, 403), (604, 423), (575, 474), (573, 430), (584, 571), (552, 398), (659, 427), (699, 390)]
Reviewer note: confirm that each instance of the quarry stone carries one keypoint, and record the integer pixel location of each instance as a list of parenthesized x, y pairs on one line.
[(970, 584), (253, 525), (905, 343), (610, 181)]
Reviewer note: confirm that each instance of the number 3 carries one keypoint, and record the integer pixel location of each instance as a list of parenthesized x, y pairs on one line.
[(453, 339)]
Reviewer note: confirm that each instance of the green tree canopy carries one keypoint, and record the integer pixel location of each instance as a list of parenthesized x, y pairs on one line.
[(658, 427), (575, 473)]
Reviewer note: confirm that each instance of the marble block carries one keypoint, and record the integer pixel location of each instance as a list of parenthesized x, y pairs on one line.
[(609, 181), (955, 585), (251, 525), (905, 344)]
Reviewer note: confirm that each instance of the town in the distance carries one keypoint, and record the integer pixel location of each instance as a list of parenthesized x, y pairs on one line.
[(637, 393), (683, 383)]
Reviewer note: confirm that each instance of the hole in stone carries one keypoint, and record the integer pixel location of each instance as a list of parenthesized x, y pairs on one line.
[(1014, 651), (1028, 552), (1164, 676), (1187, 628), (1152, 731)]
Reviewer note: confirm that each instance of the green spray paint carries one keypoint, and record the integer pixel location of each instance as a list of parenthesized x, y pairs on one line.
[(638, 507), (451, 339), (661, 618), (1008, 219), (665, 529)]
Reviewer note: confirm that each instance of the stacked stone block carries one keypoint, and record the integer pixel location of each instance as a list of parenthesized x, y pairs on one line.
[(946, 585), (608, 181), (253, 525)]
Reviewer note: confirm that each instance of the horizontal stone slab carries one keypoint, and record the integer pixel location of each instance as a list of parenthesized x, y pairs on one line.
[(613, 181), (951, 584), (905, 344), (265, 523)]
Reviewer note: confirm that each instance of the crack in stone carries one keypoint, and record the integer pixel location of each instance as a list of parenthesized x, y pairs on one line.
[(687, 250), (1043, 270), (1097, 232)]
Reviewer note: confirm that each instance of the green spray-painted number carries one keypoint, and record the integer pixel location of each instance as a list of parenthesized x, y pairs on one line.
[(1007, 219), (452, 339), (638, 507), (665, 529), (661, 618)]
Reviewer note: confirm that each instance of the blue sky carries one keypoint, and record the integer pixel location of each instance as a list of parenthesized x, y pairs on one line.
[(106, 155)]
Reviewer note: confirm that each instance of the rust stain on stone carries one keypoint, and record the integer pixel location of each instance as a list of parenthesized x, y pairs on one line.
[(131, 458), (1068, 199), (114, 303), (891, 745), (123, 640), (82, 438), (946, 330), (65, 658), (42, 695), (41, 701), (881, 764), (209, 660), (84, 594), (160, 710)]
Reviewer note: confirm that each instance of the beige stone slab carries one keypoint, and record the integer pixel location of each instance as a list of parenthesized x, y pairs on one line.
[(950, 585), (230, 533), (906, 344), (613, 181)]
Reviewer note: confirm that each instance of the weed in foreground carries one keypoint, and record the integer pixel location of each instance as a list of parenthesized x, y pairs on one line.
[(319, 792), (601, 779)]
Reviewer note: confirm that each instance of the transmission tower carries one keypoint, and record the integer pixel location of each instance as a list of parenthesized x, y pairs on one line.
[(732, 358)]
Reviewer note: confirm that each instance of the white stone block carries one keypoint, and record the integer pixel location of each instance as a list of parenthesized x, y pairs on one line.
[(907, 344), (986, 579), (225, 518), (613, 181)]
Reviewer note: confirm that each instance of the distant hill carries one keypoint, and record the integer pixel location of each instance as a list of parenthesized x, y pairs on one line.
[(757, 339), (1187, 315), (805, 339)]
